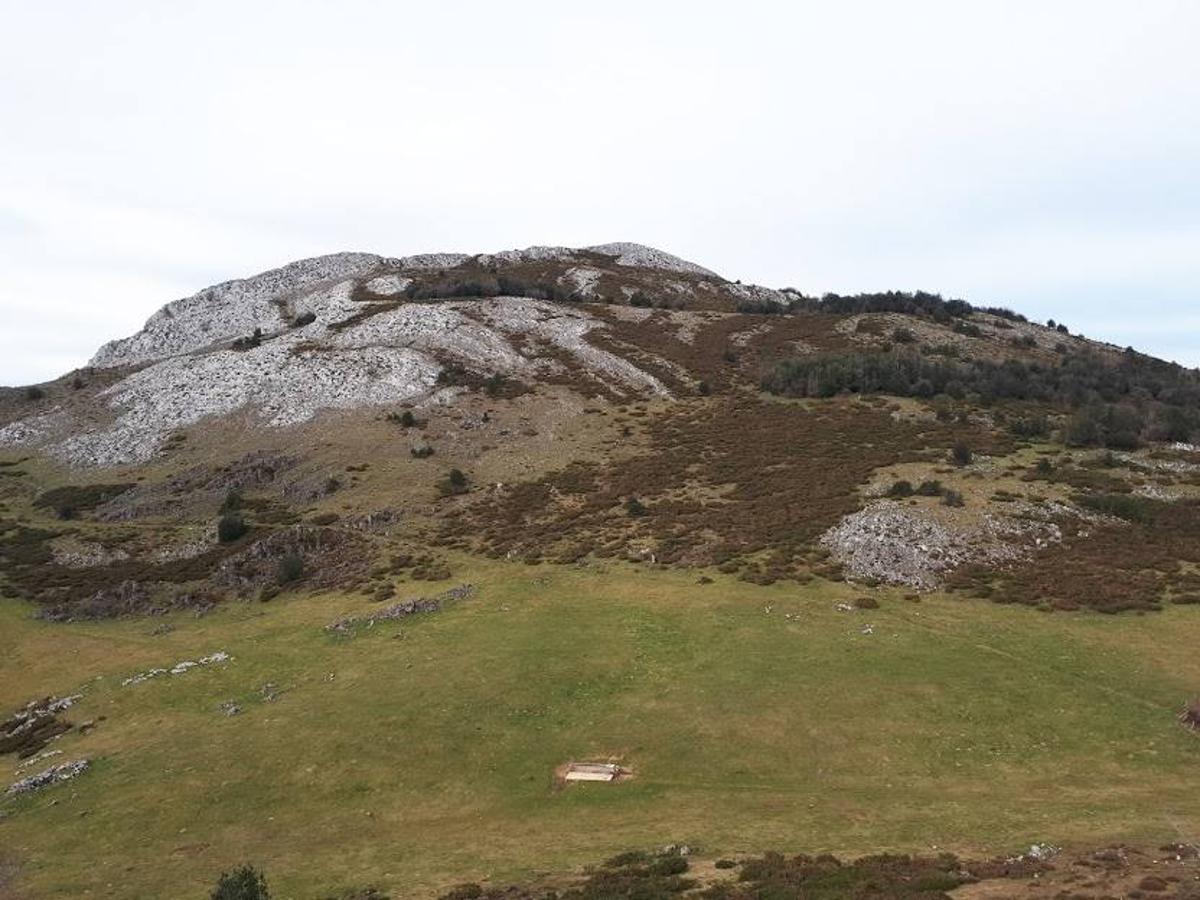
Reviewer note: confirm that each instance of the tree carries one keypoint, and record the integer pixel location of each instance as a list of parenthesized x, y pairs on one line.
[(243, 883), (291, 568), (454, 483), (230, 527)]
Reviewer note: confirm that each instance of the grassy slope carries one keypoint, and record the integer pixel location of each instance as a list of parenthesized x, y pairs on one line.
[(428, 760)]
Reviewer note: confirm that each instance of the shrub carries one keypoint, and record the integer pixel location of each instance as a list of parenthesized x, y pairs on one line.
[(953, 498), (249, 343), (866, 603), (290, 569), (70, 499), (33, 392), (703, 389), (230, 527), (243, 883), (725, 864), (641, 299), (669, 865), (233, 501), (407, 419), (1122, 506), (901, 488), (903, 335), (634, 507), (968, 329), (455, 482), (929, 488), (305, 318), (422, 451), (961, 454), (494, 384), (1029, 426), (1044, 466)]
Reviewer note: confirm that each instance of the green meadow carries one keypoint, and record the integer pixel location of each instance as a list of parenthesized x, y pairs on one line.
[(420, 753)]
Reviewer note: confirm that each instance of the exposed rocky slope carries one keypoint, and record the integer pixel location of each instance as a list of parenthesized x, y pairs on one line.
[(331, 333), (603, 401)]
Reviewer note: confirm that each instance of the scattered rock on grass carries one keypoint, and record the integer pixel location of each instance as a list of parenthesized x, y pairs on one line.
[(52, 775), (400, 610), (178, 669)]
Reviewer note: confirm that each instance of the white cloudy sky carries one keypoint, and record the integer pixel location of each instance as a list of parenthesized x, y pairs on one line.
[(1043, 155)]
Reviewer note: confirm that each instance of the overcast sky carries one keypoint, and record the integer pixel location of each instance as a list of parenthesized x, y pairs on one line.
[(1042, 155)]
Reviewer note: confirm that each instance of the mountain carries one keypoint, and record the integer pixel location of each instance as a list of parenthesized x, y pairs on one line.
[(604, 504)]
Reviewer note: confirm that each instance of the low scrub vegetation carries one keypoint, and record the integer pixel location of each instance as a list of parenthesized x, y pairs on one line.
[(243, 883), (68, 501)]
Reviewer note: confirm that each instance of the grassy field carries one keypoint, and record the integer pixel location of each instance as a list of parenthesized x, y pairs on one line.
[(420, 754)]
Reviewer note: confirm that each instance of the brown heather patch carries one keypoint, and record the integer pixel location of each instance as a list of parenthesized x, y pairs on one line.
[(1109, 568), (724, 349), (737, 481)]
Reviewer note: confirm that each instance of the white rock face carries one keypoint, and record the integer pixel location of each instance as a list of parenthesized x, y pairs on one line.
[(900, 544), (188, 370), (432, 261), (758, 294), (627, 254), (232, 309), (388, 358), (285, 384)]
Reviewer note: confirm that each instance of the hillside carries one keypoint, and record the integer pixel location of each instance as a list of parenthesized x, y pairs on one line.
[(822, 573)]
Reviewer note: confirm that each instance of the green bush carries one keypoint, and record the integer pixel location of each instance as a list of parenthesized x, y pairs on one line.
[(901, 488), (230, 527), (494, 384), (290, 569), (249, 343), (930, 489), (455, 482), (634, 507), (243, 883), (953, 498), (1122, 506), (961, 454)]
